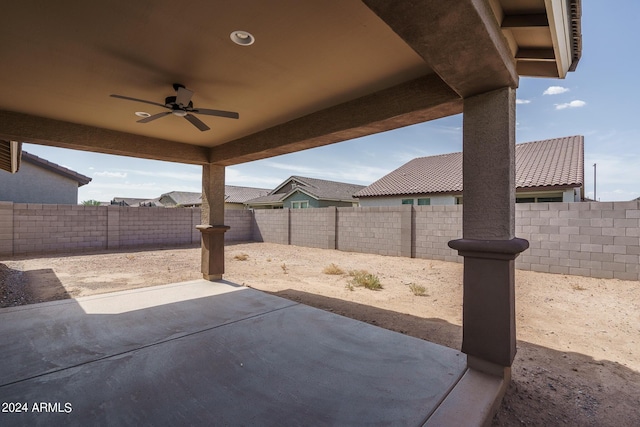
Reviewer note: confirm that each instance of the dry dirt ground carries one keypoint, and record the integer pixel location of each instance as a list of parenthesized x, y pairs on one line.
[(578, 360)]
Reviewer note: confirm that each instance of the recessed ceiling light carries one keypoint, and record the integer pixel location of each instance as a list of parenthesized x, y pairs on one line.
[(242, 38), (142, 114)]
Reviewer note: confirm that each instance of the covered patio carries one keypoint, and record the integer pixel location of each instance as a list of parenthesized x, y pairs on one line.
[(204, 353), (285, 76)]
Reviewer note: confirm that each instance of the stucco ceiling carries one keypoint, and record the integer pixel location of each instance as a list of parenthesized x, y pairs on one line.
[(360, 67)]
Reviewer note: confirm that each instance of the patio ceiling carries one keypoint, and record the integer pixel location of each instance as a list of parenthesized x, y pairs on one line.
[(319, 71)]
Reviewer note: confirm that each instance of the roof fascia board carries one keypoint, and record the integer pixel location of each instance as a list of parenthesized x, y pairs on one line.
[(285, 182), (39, 130), (557, 14), (300, 190)]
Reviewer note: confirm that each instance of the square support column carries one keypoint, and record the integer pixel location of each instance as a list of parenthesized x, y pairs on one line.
[(488, 243), (212, 222)]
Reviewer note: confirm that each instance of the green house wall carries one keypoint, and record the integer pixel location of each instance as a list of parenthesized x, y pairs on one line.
[(313, 203)]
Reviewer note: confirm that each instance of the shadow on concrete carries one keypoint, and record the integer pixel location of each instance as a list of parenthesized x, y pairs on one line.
[(548, 387), (205, 353), (435, 330), (29, 287)]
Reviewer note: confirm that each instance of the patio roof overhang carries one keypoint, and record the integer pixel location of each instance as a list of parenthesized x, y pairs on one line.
[(318, 73)]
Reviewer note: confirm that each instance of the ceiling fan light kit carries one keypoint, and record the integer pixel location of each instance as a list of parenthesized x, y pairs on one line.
[(179, 105)]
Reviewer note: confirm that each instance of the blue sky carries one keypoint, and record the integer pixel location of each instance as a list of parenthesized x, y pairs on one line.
[(597, 101)]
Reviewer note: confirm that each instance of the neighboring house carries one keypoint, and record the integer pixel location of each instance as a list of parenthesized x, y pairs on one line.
[(235, 197), (41, 181), (546, 171), (299, 192), (127, 201)]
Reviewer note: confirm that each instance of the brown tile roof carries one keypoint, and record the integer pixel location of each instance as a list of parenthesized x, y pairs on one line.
[(555, 162)]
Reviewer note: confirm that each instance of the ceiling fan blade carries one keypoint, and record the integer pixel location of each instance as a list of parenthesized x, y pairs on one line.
[(154, 117), (183, 96), (128, 98), (197, 122), (219, 113)]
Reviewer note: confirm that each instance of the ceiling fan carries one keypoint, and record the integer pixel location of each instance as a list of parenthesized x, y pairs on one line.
[(181, 106)]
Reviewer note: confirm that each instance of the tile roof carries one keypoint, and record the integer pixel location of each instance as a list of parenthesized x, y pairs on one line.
[(53, 167), (328, 190), (321, 189), (184, 198), (557, 162), (237, 194)]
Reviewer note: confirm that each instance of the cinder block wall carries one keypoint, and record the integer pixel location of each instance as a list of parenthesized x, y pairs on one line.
[(374, 230), (309, 227), (240, 221), (587, 239), (6, 228), (155, 226), (598, 239), (434, 227), (271, 225), (41, 228)]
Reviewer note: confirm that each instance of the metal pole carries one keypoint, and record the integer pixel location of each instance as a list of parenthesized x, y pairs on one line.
[(594, 183)]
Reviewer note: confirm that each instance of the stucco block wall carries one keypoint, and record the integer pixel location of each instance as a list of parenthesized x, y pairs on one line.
[(33, 184), (271, 225), (434, 227)]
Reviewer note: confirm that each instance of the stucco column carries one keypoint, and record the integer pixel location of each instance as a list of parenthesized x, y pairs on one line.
[(212, 222), (488, 227)]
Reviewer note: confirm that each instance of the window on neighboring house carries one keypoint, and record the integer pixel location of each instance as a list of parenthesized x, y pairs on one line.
[(407, 201), (525, 199), (459, 200), (424, 202), (303, 204), (549, 199)]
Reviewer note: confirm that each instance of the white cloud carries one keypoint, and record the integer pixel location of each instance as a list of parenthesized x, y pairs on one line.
[(573, 104), (555, 90), (108, 174), (523, 101)]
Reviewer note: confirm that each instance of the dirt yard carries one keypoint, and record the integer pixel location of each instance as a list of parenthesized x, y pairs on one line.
[(578, 360)]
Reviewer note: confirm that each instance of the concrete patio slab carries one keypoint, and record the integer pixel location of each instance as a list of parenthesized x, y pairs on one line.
[(203, 353)]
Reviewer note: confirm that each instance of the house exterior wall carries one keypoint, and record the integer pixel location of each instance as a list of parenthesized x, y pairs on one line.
[(300, 197), (568, 196), (313, 203), (33, 184), (397, 200)]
